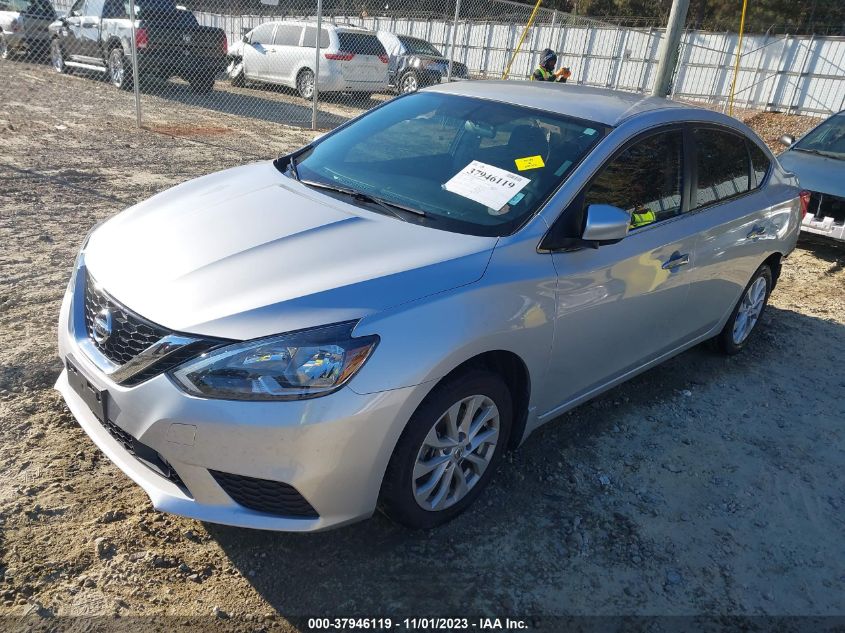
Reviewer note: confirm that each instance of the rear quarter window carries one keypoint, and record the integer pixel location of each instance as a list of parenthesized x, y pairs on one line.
[(760, 163), (360, 43), (723, 166)]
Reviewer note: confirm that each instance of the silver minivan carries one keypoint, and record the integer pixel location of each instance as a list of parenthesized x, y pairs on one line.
[(373, 320), (352, 59)]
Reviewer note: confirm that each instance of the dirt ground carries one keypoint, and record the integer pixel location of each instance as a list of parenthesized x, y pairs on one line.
[(709, 485)]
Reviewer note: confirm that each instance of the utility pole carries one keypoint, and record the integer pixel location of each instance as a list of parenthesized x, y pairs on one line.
[(669, 47)]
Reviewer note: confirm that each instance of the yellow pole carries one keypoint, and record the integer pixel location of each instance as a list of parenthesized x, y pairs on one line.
[(522, 38), (738, 55)]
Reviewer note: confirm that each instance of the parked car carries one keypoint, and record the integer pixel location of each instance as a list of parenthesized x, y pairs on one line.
[(341, 329), (24, 26), (97, 35), (284, 53), (415, 63), (818, 159)]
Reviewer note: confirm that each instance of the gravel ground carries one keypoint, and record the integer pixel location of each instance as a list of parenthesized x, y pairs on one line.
[(705, 486)]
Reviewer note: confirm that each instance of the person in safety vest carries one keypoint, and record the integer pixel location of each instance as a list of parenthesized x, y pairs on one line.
[(546, 70), (641, 217)]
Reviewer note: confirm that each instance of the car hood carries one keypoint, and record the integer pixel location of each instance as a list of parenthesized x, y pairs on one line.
[(249, 252), (815, 173)]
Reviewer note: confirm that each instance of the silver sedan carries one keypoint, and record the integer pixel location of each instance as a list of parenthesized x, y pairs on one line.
[(374, 319)]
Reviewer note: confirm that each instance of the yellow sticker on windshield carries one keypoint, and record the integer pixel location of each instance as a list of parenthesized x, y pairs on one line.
[(529, 162)]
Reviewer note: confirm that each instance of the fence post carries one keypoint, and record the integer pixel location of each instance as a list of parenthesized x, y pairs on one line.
[(317, 35), (452, 44), (668, 51), (135, 80)]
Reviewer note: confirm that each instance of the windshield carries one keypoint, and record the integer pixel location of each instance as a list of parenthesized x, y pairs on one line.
[(419, 47), (470, 165), (828, 138)]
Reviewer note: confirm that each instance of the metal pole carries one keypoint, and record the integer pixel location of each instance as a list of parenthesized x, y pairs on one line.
[(452, 45), (135, 80), (738, 57), (669, 48), (316, 63)]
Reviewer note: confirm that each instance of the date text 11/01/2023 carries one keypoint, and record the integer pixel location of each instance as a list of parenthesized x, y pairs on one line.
[(410, 624)]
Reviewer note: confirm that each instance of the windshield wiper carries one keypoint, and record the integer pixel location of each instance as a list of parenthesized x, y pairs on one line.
[(388, 206), (817, 152)]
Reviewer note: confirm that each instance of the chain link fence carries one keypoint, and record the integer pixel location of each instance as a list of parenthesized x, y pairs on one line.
[(249, 66)]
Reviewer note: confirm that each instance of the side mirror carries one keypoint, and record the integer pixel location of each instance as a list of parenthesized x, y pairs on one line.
[(606, 224), (787, 139)]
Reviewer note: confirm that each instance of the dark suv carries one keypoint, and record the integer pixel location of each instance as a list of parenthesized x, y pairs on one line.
[(97, 35)]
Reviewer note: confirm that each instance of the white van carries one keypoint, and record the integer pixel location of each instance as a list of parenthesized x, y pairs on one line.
[(352, 59)]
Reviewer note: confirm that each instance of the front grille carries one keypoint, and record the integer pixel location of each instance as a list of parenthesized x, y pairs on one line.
[(149, 457), (263, 495), (131, 334)]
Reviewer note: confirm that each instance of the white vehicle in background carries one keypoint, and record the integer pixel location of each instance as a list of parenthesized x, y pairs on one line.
[(352, 59), (23, 26)]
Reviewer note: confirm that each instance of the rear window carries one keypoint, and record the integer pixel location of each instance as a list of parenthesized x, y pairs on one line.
[(361, 43)]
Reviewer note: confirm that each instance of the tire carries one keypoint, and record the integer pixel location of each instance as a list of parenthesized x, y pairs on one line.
[(235, 71), (436, 495), (5, 53), (203, 84), (57, 57), (746, 314), (408, 83), (305, 83), (119, 69)]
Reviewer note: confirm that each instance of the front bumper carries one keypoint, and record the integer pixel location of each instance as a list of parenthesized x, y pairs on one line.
[(333, 450)]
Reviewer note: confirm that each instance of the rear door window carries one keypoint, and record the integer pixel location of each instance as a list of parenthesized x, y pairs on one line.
[(723, 166), (287, 35), (760, 163), (646, 180), (360, 43), (310, 38)]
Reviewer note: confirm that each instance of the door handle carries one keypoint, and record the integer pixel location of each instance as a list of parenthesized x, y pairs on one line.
[(756, 232), (676, 261)]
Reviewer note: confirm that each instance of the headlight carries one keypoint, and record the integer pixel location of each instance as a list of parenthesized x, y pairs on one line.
[(293, 366)]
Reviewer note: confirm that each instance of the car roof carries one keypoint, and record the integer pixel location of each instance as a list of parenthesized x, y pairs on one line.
[(338, 26), (601, 105)]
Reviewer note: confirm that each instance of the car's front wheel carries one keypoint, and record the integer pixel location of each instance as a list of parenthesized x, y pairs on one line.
[(409, 82), (57, 56), (235, 71), (4, 47), (120, 70), (449, 450), (746, 313)]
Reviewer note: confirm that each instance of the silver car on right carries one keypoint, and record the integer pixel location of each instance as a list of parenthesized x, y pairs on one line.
[(818, 159)]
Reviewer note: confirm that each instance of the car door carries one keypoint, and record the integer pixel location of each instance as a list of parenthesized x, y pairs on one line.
[(257, 51), (37, 18), (622, 305), (71, 31), (88, 35), (286, 54), (737, 222)]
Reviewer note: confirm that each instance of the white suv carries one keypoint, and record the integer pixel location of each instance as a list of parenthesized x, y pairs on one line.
[(352, 59)]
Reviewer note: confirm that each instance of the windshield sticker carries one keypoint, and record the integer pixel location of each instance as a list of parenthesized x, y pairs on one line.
[(589, 131), (529, 162), (486, 184), (516, 199)]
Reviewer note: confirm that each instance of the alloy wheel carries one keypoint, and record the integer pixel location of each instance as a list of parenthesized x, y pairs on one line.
[(57, 58), (409, 84), (749, 310), (305, 84), (117, 70), (456, 452)]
